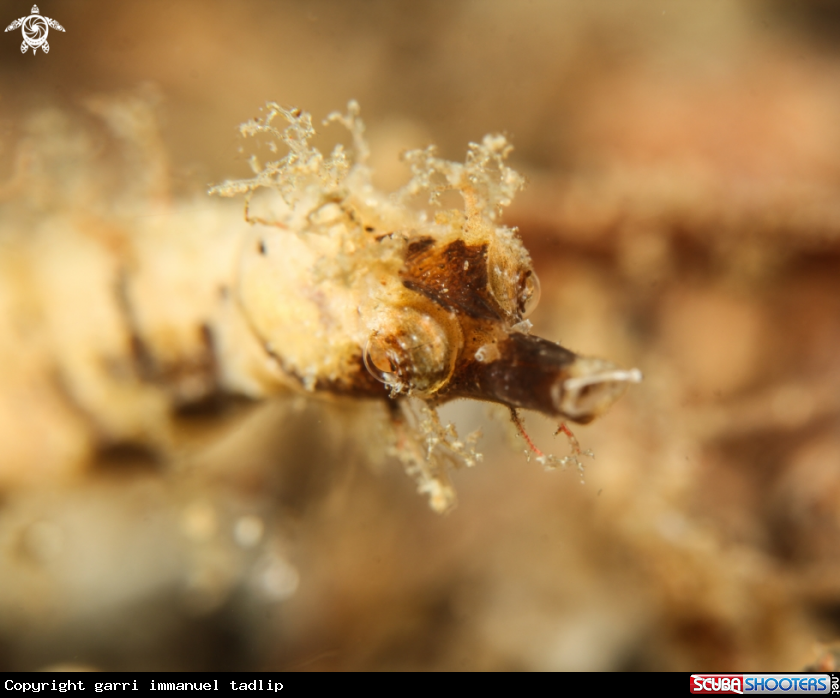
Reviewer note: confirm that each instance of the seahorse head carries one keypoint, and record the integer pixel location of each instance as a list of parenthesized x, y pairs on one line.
[(359, 291)]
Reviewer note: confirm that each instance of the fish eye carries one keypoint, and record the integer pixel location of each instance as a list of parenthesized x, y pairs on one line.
[(411, 354), (529, 296)]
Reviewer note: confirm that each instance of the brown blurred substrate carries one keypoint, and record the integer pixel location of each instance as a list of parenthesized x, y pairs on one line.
[(683, 217)]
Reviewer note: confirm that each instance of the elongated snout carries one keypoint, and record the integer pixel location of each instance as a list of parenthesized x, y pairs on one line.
[(533, 373)]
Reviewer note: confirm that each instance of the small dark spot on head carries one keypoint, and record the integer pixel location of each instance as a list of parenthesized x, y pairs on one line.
[(206, 334), (207, 411), (369, 228), (261, 247), (142, 357), (419, 246), (126, 458), (223, 292)]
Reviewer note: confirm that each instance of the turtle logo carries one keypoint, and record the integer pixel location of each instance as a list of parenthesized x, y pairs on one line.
[(35, 28)]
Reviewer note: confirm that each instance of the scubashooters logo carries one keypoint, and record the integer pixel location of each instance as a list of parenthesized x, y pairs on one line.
[(35, 28), (780, 684)]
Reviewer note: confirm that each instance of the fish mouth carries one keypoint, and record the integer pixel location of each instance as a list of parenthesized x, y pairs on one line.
[(590, 387), (524, 371)]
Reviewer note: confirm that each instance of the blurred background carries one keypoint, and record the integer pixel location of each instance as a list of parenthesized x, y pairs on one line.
[(683, 212)]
